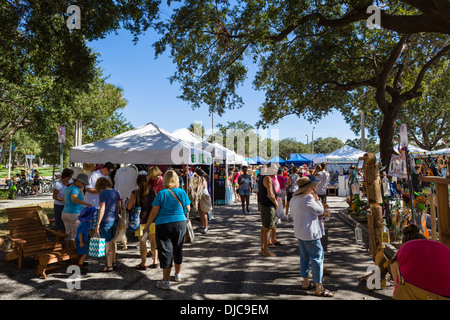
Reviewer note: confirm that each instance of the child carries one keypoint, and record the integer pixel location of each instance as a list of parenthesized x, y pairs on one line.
[(108, 220), (82, 236)]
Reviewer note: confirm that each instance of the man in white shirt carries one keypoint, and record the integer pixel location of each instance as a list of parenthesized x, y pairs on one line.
[(92, 194)]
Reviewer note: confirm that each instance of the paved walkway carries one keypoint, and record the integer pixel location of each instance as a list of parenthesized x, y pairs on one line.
[(223, 265), (25, 201)]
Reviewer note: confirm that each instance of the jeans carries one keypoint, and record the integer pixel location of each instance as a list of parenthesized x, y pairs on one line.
[(311, 253)]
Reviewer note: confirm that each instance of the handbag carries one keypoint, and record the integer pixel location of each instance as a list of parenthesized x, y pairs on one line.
[(189, 236), (97, 247), (205, 203), (134, 218)]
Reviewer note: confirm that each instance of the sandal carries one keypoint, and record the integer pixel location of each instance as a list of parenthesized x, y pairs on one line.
[(325, 293), (271, 245), (114, 266), (153, 265), (310, 286), (278, 243), (107, 269), (141, 267)]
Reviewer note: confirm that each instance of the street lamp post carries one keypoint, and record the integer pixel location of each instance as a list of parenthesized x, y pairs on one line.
[(307, 141), (312, 141)]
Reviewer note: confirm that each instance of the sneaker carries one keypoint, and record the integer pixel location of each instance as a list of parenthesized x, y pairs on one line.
[(178, 277), (205, 230), (163, 284)]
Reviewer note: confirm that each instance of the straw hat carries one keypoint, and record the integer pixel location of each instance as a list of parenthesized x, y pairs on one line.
[(306, 182), (83, 178)]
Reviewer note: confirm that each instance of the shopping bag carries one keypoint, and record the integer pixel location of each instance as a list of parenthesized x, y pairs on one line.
[(97, 247), (189, 237), (280, 210)]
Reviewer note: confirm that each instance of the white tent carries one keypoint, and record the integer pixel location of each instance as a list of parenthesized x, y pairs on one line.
[(222, 153), (194, 140), (147, 144), (346, 154), (411, 149)]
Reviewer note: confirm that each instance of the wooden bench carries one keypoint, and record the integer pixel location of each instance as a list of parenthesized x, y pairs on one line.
[(54, 258), (29, 238)]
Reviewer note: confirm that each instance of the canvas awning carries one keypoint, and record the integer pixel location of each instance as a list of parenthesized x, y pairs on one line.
[(148, 144)]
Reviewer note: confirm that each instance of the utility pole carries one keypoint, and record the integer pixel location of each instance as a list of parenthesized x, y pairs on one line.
[(363, 133)]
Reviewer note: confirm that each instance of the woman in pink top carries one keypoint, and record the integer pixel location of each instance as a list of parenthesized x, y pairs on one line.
[(276, 184), (235, 184)]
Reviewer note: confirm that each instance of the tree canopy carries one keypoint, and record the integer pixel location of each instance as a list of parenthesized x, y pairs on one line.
[(313, 56)]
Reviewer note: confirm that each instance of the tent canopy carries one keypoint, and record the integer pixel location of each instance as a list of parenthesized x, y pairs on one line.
[(259, 160), (277, 159), (298, 160), (146, 144), (346, 154), (193, 139), (222, 153)]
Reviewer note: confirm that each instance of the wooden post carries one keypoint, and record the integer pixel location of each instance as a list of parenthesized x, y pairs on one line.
[(375, 217), (433, 216), (443, 210)]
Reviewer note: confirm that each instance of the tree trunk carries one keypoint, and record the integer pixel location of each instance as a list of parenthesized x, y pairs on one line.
[(387, 132)]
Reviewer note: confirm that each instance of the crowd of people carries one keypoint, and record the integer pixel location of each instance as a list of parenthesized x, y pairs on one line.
[(87, 206)]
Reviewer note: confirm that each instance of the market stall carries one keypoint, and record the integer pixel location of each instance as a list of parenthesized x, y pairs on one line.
[(338, 163), (223, 159), (148, 144)]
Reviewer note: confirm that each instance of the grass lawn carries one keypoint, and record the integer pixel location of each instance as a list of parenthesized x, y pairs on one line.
[(43, 171), (46, 206)]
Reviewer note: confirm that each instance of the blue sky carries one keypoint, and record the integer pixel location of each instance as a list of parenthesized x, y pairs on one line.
[(151, 97)]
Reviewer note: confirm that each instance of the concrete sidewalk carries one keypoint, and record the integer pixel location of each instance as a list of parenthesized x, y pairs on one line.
[(25, 201), (223, 265)]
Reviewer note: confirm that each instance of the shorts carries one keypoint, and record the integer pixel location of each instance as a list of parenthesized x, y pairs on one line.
[(283, 194), (108, 229), (82, 250), (140, 232), (235, 184), (244, 192), (289, 196), (267, 216)]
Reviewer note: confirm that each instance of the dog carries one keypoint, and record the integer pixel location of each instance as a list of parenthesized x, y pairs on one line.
[(121, 233), (5, 244)]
